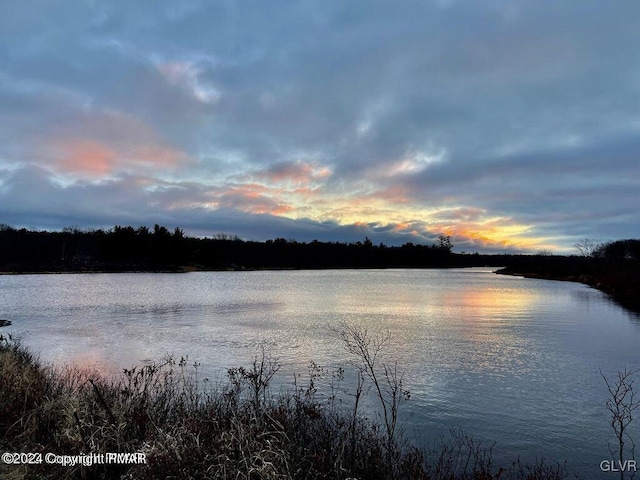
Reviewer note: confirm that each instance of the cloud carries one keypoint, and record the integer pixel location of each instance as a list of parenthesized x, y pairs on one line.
[(410, 164), (250, 198), (505, 123), (92, 143), (88, 157), (97, 160), (188, 75), (298, 173)]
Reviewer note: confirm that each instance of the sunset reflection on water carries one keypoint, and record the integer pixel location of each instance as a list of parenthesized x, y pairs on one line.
[(493, 354)]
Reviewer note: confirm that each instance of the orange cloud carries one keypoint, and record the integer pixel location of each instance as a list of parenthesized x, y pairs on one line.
[(497, 232), (396, 194), (251, 198), (87, 157), (271, 209), (399, 227), (249, 190)]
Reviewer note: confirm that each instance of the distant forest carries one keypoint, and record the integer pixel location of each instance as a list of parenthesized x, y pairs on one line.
[(125, 248), (160, 249), (612, 267)]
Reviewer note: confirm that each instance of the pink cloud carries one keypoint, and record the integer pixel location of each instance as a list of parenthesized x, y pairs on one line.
[(95, 144), (299, 173), (397, 194), (87, 157), (92, 158), (251, 198)]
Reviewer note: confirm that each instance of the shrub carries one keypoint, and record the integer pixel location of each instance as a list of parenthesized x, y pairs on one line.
[(190, 429)]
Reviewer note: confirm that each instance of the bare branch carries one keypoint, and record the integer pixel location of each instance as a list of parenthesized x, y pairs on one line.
[(621, 404)]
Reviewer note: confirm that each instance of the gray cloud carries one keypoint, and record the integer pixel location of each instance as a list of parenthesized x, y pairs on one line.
[(525, 111), (30, 198)]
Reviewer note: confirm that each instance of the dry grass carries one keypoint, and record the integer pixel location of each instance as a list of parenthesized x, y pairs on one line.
[(190, 430)]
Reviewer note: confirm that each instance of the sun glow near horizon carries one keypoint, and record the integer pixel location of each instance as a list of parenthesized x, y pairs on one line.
[(328, 122)]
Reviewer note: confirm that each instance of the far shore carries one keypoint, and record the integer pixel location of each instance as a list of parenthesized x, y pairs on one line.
[(620, 282), (620, 285), (560, 278)]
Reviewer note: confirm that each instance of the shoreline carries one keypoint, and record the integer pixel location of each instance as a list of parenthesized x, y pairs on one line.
[(620, 284), (181, 428), (584, 279), (627, 298), (189, 269)]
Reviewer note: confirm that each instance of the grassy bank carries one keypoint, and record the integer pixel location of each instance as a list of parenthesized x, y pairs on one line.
[(188, 429)]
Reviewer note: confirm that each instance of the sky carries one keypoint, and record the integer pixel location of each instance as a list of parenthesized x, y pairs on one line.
[(510, 125)]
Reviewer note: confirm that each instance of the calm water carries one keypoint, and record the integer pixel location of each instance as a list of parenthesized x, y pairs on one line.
[(508, 359)]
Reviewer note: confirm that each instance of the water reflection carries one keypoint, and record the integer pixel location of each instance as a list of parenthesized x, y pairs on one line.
[(493, 303), (509, 359), (490, 333)]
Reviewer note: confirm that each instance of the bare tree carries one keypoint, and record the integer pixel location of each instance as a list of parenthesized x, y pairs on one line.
[(386, 381), (621, 405), (587, 247)]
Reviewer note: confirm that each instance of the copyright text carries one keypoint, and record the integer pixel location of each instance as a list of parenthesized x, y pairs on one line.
[(73, 460)]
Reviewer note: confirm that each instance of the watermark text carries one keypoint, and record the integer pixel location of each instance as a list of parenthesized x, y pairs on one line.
[(618, 466), (86, 460)]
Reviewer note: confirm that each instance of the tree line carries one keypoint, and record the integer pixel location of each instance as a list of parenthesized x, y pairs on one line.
[(158, 248), (612, 267), (125, 248)]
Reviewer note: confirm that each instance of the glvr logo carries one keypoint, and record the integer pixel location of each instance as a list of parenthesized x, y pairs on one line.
[(618, 466)]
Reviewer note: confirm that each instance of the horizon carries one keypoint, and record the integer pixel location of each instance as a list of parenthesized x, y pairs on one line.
[(512, 127), (584, 248)]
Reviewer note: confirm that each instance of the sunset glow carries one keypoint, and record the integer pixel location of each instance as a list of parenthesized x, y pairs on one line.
[(454, 119)]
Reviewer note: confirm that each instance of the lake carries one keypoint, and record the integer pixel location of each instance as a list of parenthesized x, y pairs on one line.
[(511, 360)]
